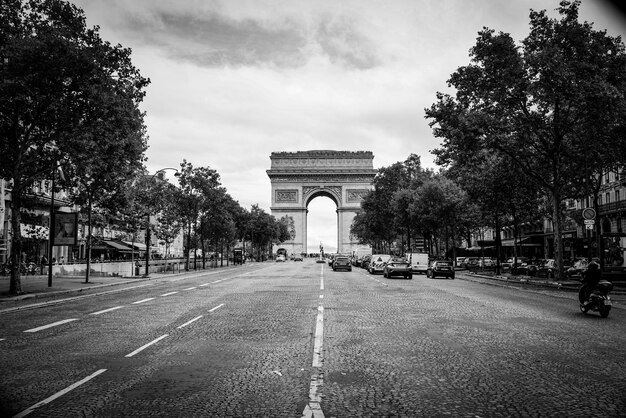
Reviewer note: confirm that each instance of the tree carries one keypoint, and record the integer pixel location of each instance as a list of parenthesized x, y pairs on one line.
[(197, 188), (547, 104), (64, 92)]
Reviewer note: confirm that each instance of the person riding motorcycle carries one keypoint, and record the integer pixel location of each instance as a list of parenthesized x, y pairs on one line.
[(590, 281)]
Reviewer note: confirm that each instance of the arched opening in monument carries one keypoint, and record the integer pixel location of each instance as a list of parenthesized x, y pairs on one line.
[(322, 225)]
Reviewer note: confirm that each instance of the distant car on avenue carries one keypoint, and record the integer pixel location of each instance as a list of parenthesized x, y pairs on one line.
[(280, 258), (440, 269), (342, 263), (297, 258), (377, 263), (398, 267)]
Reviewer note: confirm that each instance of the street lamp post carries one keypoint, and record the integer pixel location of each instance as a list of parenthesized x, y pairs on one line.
[(148, 247)]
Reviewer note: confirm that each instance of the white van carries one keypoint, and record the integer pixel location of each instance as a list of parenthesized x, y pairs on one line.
[(419, 262)]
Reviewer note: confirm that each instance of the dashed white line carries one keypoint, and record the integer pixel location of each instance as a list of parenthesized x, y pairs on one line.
[(319, 337), (217, 307), (189, 322), (168, 294), (190, 288), (107, 310), (143, 347), (2, 339), (205, 284), (142, 301), (54, 324), (59, 394)]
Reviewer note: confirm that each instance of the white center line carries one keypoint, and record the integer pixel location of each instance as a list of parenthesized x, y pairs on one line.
[(206, 284), (142, 301), (54, 324), (168, 294), (143, 347), (189, 322), (319, 337), (106, 310), (59, 394), (217, 307), (189, 288)]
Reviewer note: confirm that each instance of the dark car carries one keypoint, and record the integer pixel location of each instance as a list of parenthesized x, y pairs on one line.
[(365, 262), (298, 258), (342, 263), (470, 263), (399, 267), (440, 269)]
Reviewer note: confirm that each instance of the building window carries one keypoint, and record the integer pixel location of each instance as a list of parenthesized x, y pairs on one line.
[(606, 177), (608, 197), (599, 199), (617, 196)]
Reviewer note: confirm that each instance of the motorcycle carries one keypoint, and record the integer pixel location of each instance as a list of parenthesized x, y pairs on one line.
[(598, 300)]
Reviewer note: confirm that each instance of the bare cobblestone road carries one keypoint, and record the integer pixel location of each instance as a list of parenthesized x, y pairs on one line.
[(297, 339)]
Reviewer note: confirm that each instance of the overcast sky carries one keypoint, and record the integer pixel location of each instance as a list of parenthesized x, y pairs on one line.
[(235, 80)]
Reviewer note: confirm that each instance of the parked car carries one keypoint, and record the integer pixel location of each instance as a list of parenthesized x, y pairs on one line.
[(298, 258), (578, 268), (440, 268), (459, 261), (512, 263), (280, 258), (398, 267), (471, 263), (365, 263), (342, 263), (529, 268), (377, 264), (486, 263)]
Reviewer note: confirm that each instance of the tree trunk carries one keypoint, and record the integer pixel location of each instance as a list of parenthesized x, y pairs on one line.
[(87, 270), (557, 224), (15, 286)]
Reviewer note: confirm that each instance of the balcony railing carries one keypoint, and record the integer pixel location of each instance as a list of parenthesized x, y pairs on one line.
[(612, 207)]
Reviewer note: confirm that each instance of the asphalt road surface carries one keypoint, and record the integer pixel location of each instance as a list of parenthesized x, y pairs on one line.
[(296, 339)]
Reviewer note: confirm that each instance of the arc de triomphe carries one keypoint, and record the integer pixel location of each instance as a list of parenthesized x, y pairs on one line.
[(299, 177)]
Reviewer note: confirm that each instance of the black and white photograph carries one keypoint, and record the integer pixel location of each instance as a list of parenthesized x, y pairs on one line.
[(312, 208)]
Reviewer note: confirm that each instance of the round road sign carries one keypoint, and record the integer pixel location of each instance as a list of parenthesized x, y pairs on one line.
[(589, 213)]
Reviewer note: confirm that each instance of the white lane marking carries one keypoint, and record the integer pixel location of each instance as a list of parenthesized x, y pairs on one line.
[(54, 324), (319, 337), (143, 347), (188, 322), (142, 301), (2, 339), (217, 307), (313, 407), (107, 310), (189, 288), (168, 294), (206, 284), (322, 278), (59, 394)]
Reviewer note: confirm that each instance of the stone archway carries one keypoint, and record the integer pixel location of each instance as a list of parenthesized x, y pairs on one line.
[(299, 177)]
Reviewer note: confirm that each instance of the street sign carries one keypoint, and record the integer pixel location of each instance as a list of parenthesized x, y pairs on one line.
[(589, 213), (589, 226), (589, 221)]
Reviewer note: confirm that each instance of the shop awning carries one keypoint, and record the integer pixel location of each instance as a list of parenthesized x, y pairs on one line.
[(530, 241), (137, 245), (118, 246)]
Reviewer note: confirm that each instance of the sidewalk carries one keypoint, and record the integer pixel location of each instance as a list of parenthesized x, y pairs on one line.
[(619, 287), (36, 286)]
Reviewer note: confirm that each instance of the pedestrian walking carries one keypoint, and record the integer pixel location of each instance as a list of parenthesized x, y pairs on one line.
[(44, 263)]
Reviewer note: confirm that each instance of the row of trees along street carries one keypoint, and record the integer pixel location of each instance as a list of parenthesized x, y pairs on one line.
[(524, 127), (71, 100)]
